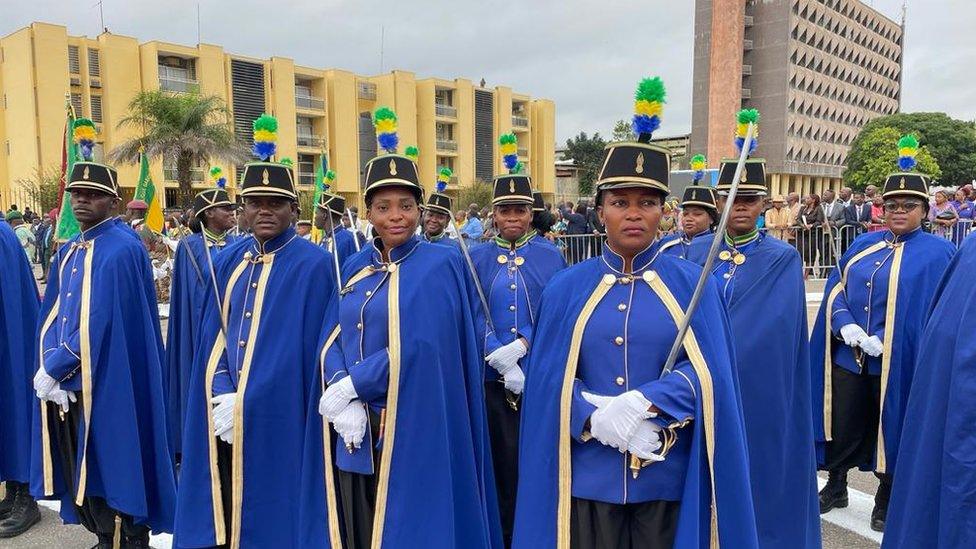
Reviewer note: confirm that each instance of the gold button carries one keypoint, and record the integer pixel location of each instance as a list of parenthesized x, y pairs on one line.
[(359, 325), (64, 319), (241, 343), (74, 270), (511, 307), (865, 309), (619, 340), (247, 314), (620, 381), (869, 284), (514, 330), (512, 287), (622, 307), (876, 263), (254, 284), (726, 276), (392, 268), (502, 259), (609, 279), (369, 293), (69, 294), (649, 275)]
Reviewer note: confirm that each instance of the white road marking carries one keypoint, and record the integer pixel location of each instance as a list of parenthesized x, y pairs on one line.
[(856, 517)]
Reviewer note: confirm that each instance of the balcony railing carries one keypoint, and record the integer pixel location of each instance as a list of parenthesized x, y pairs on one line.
[(447, 145), (305, 178), (747, 44), (446, 110), (316, 141), (179, 85), (309, 102), (747, 70), (520, 121), (197, 175), (749, 21), (367, 90), (746, 93)]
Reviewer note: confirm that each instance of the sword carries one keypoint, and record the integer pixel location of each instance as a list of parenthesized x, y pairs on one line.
[(335, 251), (213, 280), (712, 252), (352, 226)]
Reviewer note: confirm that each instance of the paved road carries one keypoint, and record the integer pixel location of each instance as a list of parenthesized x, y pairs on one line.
[(842, 529)]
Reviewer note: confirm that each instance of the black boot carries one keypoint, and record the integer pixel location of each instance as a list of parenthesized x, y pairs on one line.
[(834, 494), (104, 542), (23, 515), (880, 512), (140, 541), (7, 504)]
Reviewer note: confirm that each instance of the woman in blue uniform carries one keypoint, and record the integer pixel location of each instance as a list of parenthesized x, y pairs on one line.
[(865, 341), (616, 452), (404, 389), (698, 215)]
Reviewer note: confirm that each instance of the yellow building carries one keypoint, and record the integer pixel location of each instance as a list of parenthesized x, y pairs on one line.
[(454, 123)]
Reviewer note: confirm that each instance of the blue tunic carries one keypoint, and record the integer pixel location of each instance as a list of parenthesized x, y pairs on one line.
[(191, 280), (513, 280), (766, 303), (99, 336), (444, 240), (581, 309), (18, 318), (276, 299), (679, 246), (886, 283), (344, 243), (406, 337), (931, 501)]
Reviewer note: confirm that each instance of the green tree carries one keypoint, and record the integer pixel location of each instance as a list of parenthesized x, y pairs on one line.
[(623, 131), (952, 143), (479, 192), (187, 128), (42, 188), (587, 153), (876, 156)]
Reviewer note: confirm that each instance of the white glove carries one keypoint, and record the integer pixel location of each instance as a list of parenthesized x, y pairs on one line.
[(336, 397), (515, 380), (350, 423), (873, 346), (646, 441), (852, 334), (507, 356), (616, 418), (61, 397), (223, 415), (43, 384)]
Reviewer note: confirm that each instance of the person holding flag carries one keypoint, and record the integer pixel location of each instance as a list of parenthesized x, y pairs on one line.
[(252, 379), (192, 284), (75, 140)]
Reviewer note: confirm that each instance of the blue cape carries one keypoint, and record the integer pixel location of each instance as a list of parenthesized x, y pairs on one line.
[(923, 259), (191, 280), (127, 458), (717, 470), (18, 318), (767, 311), (435, 465), (932, 502), (275, 387)]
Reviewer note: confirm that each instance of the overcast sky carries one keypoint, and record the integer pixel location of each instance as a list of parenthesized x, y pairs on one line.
[(585, 55)]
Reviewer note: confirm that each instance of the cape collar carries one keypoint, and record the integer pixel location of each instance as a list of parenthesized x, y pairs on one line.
[(522, 241), (276, 243), (739, 241), (99, 229), (397, 254), (642, 260), (892, 238)]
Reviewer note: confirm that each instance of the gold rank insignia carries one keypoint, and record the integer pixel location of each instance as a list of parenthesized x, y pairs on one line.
[(738, 259), (393, 170), (639, 168), (502, 259), (264, 177), (519, 261), (725, 255)]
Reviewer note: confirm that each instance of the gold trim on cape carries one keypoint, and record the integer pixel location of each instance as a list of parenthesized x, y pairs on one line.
[(392, 394), (881, 464), (84, 342), (335, 540), (828, 399), (237, 461)]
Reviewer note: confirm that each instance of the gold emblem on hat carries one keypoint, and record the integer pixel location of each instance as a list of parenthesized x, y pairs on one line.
[(85, 175), (502, 259), (725, 255), (511, 185), (744, 177), (392, 167), (901, 184), (639, 168), (694, 195), (265, 180)]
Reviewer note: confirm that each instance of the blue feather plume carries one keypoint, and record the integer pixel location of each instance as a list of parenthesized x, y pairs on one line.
[(511, 160), (645, 124), (388, 141), (740, 141), (906, 163), (441, 186), (264, 149)]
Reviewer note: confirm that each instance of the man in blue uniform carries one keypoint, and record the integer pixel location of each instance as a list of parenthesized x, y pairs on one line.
[(252, 377), (18, 349), (616, 451), (698, 219), (437, 213), (192, 282), (761, 281), (865, 341), (513, 268), (100, 443), (328, 218)]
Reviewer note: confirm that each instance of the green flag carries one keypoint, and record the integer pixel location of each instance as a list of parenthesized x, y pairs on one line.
[(146, 191), (67, 225)]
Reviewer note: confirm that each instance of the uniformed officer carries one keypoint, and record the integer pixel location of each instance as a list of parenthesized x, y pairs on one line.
[(865, 341), (437, 212), (328, 218), (513, 269), (698, 218)]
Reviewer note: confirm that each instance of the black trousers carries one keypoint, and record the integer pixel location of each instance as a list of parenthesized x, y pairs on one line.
[(503, 429), (856, 410), (599, 525), (94, 513), (357, 497)]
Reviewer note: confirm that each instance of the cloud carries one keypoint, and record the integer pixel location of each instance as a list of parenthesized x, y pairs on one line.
[(586, 56)]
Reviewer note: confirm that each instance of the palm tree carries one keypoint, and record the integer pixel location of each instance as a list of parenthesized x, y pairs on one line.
[(185, 128)]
